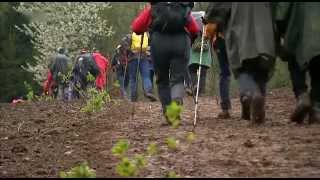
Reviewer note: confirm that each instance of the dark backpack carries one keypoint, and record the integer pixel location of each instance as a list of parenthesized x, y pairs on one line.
[(85, 64), (170, 17)]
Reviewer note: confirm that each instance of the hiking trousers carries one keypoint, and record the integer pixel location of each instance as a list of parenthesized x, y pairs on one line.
[(170, 53), (297, 76), (224, 80), (253, 77)]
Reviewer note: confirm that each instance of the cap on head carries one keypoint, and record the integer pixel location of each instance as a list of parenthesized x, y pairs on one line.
[(61, 50)]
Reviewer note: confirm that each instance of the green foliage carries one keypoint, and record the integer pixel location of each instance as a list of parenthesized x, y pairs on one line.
[(120, 148), (126, 168), (140, 161), (15, 49), (191, 137), (90, 77), (172, 143), (152, 149), (81, 171), (116, 84), (173, 114), (172, 174), (96, 100), (30, 94)]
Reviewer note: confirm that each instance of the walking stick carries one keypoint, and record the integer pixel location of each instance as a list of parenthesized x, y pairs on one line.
[(140, 54), (199, 73)]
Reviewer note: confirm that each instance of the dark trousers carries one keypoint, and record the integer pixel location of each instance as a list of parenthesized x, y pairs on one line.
[(224, 81), (253, 77), (123, 78), (193, 69), (298, 77), (314, 71), (170, 53)]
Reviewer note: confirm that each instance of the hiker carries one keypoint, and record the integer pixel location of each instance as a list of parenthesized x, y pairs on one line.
[(297, 23), (84, 66), (194, 63), (56, 77), (119, 64), (172, 31), (103, 65), (249, 38), (138, 55)]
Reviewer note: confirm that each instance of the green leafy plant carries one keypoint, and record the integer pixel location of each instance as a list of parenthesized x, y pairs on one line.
[(90, 77), (173, 113), (172, 174), (30, 93), (126, 168), (152, 149), (172, 143), (116, 84), (191, 137), (81, 171), (96, 100), (120, 148)]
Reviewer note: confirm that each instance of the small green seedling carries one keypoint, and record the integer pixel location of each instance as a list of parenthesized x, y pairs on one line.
[(120, 148), (152, 149), (173, 113), (172, 174), (30, 93), (191, 137), (81, 171), (172, 143), (126, 168), (140, 161)]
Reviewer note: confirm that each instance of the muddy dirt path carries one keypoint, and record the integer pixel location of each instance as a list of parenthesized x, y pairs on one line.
[(41, 139)]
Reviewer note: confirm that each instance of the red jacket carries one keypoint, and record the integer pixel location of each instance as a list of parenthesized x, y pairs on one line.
[(103, 64), (48, 84), (141, 23)]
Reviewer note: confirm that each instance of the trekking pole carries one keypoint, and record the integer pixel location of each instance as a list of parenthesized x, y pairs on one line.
[(199, 73), (137, 72)]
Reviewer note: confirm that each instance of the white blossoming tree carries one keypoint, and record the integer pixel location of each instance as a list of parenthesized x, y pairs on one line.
[(73, 25)]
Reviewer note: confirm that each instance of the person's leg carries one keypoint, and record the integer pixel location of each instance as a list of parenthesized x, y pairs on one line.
[(193, 69), (203, 78), (145, 74), (132, 68), (161, 68), (315, 89), (224, 80), (300, 89), (297, 76)]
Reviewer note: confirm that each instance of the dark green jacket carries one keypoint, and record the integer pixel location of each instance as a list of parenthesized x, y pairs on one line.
[(299, 24), (248, 29)]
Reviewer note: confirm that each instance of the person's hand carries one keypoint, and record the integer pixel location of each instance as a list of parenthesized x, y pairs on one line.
[(210, 30)]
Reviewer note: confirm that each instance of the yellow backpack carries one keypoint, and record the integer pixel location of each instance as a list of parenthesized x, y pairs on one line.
[(136, 42)]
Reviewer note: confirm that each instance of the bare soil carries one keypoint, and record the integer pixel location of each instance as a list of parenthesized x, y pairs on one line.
[(41, 139)]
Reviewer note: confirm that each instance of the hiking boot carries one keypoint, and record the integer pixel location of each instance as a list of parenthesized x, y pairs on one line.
[(245, 106), (189, 91), (151, 97), (224, 114), (302, 108), (314, 116), (257, 108)]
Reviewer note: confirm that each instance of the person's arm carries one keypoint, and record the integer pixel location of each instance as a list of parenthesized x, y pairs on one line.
[(142, 22)]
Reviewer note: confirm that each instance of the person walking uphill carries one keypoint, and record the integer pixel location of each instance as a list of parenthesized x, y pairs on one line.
[(299, 25), (58, 68), (172, 30), (250, 43)]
